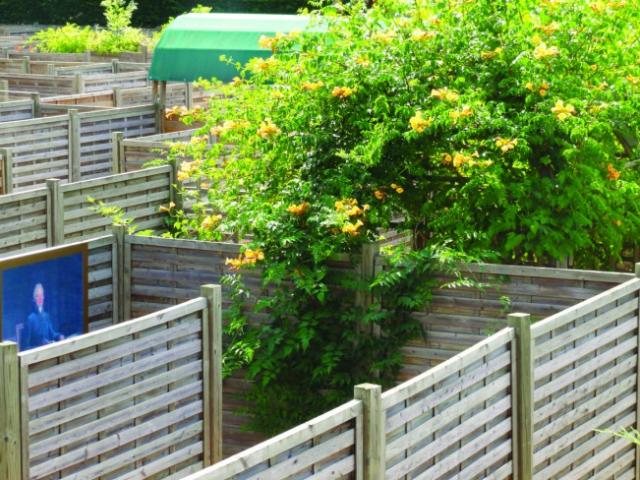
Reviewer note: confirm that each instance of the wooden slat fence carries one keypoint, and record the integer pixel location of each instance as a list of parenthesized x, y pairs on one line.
[(16, 110), (138, 194), (69, 147), (26, 65), (96, 135), (178, 94), (39, 150), (586, 377), (99, 83), (52, 85), (455, 420), (24, 221), (163, 272), (132, 401), (133, 153), (61, 213), (328, 446), (458, 318), (143, 56), (101, 99)]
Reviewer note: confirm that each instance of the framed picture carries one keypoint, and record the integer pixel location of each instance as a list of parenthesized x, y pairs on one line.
[(44, 296)]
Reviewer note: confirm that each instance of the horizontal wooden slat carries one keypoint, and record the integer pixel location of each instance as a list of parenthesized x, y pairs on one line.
[(66, 347)]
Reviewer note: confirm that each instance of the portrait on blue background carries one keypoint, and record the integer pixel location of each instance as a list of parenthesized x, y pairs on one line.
[(43, 296)]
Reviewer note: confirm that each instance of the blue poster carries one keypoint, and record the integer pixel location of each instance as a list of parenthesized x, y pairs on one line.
[(43, 301)]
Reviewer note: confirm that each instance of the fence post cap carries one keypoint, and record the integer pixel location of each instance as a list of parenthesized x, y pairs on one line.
[(637, 269), (518, 318), (210, 287), (368, 387)]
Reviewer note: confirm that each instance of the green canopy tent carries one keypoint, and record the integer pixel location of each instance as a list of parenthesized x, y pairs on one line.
[(190, 48)]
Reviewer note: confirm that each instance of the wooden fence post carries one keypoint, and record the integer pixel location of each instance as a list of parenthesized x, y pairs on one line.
[(119, 233), (637, 464), (522, 396), (26, 65), (189, 95), (374, 432), (7, 170), (126, 278), (35, 98), (4, 90), (117, 97), (78, 83), (55, 213), (212, 374), (74, 146), (10, 417), (117, 160)]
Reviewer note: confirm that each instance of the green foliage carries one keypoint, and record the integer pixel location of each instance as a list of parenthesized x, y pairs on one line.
[(629, 434), (118, 37), (118, 14), (150, 13), (509, 127), (320, 341)]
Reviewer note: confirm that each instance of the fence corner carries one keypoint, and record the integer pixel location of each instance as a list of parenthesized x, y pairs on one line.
[(212, 362), (11, 441), (522, 396), (374, 431), (55, 218)]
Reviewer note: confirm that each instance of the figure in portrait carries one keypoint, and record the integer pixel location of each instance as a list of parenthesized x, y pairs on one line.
[(39, 329)]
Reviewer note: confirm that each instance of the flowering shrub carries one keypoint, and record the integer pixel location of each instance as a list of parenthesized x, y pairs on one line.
[(508, 127)]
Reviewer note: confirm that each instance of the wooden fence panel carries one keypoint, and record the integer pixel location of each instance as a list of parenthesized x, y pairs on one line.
[(45, 85), (586, 366), (40, 150), (138, 57), (101, 99), (454, 421), (69, 147), (128, 401), (16, 110), (103, 274), (14, 65), (23, 221), (138, 194), (163, 272), (96, 135), (325, 447), (121, 80), (138, 151), (85, 69), (458, 318)]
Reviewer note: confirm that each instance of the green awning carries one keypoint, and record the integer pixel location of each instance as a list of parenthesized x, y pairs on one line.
[(190, 48)]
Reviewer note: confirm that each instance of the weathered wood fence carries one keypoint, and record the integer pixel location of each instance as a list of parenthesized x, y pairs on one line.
[(132, 153), (27, 65), (178, 94), (70, 147), (50, 85), (60, 213), (329, 446), (524, 403), (142, 56), (135, 400)]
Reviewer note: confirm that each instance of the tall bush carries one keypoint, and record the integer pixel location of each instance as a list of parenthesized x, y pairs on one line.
[(508, 127)]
